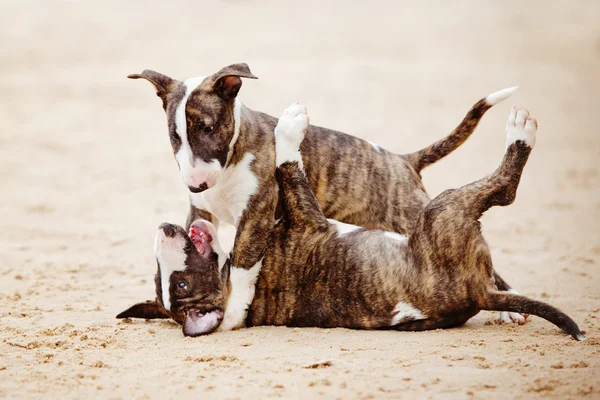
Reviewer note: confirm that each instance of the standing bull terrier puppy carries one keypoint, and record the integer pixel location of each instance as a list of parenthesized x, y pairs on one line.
[(323, 274), (226, 157)]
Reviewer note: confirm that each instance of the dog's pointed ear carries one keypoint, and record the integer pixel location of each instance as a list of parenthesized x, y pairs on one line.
[(227, 82), (162, 83), (147, 310)]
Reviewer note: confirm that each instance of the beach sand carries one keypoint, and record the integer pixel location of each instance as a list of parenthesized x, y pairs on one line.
[(88, 175)]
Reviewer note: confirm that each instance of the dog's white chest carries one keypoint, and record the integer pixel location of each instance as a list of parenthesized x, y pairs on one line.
[(228, 199)]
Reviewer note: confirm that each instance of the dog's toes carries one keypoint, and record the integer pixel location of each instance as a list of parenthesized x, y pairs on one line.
[(293, 123), (522, 116), (506, 317), (510, 122), (520, 126), (294, 110), (289, 133)]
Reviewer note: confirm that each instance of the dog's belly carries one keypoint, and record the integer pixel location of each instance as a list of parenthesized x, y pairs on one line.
[(332, 283), (228, 199)]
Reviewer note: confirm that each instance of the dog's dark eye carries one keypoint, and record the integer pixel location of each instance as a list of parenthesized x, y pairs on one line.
[(182, 285), (207, 130), (174, 137)]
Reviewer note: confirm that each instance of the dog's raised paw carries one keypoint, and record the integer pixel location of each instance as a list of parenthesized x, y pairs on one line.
[(520, 126), (289, 134)]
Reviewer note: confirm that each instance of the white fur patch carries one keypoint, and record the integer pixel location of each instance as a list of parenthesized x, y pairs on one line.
[(520, 127), (289, 134), (243, 286), (506, 317), (228, 198), (237, 118), (500, 95), (171, 257), (221, 255), (403, 311), (375, 146), (396, 236), (343, 228), (193, 171)]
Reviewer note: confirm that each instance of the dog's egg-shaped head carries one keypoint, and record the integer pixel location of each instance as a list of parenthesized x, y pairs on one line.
[(191, 281), (203, 116)]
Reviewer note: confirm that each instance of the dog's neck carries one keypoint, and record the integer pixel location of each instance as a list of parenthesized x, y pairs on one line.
[(252, 134), (250, 167)]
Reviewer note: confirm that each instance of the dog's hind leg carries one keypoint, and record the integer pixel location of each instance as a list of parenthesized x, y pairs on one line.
[(447, 243), (497, 189), (448, 239), (300, 207), (520, 131)]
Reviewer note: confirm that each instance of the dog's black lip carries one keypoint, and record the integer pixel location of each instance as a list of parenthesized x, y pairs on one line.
[(170, 230), (199, 189)]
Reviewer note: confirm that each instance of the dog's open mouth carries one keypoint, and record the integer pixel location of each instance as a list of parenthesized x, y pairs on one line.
[(201, 237), (198, 322)]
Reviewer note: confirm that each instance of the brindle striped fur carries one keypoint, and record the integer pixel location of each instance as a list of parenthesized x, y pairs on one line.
[(313, 276), (353, 182)]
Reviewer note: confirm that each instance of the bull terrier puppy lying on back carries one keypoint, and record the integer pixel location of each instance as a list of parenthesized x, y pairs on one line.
[(321, 273), (226, 157)]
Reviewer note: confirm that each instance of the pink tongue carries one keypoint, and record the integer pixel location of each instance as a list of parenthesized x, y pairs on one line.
[(201, 239)]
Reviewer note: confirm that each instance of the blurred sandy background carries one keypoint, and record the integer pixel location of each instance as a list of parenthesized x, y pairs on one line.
[(88, 174)]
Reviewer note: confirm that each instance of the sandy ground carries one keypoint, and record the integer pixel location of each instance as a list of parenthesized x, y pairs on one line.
[(87, 176)]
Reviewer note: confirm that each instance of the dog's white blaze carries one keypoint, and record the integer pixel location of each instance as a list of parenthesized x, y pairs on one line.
[(524, 129), (193, 172), (500, 95), (228, 198), (343, 228), (289, 134), (237, 117), (375, 146), (243, 285), (171, 257), (396, 236), (403, 311)]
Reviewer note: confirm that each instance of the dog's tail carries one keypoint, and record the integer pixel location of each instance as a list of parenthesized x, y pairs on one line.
[(504, 301), (447, 145)]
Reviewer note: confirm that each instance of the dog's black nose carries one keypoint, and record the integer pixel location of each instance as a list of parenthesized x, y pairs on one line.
[(198, 189), (170, 229)]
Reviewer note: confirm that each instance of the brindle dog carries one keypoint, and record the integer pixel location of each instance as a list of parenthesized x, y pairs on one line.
[(226, 156), (325, 274)]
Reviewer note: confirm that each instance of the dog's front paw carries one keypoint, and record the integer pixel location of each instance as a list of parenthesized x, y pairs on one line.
[(520, 127), (289, 134), (505, 317)]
